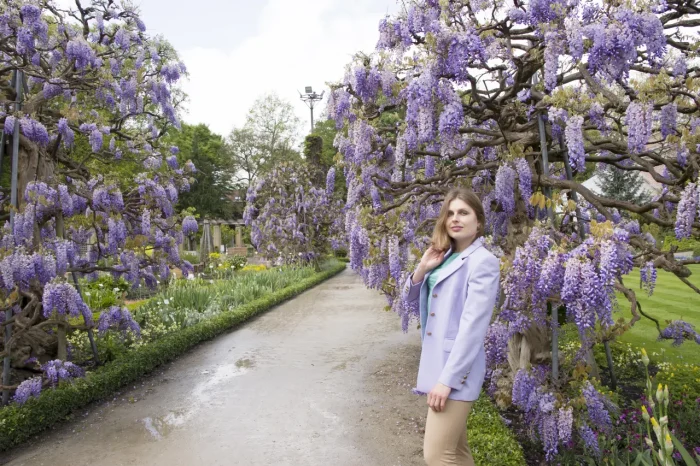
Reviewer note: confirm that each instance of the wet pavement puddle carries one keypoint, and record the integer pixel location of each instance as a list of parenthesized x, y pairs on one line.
[(200, 397)]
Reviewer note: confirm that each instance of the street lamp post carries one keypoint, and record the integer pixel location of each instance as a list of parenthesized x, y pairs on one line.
[(310, 97)]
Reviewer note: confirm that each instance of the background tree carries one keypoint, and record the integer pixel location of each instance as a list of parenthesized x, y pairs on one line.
[(268, 137), (213, 188), (321, 141), (515, 100), (96, 187), (622, 185)]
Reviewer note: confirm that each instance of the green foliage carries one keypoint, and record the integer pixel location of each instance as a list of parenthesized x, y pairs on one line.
[(490, 441), (686, 244), (104, 292), (683, 380), (326, 131), (191, 257), (211, 187), (19, 423)]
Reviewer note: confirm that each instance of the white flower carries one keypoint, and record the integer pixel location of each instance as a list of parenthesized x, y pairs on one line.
[(116, 290), (100, 285), (87, 293), (166, 302), (190, 277)]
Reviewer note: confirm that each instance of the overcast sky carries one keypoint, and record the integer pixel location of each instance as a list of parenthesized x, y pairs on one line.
[(237, 50)]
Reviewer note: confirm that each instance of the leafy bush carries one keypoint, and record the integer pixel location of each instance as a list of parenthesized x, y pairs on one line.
[(687, 244), (104, 292), (490, 441)]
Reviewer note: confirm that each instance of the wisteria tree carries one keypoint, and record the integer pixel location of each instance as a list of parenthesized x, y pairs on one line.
[(516, 100), (82, 91), (291, 220)]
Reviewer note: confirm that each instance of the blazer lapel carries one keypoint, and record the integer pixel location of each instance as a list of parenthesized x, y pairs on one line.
[(459, 261)]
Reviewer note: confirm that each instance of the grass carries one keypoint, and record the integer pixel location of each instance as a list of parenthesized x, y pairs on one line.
[(672, 300)]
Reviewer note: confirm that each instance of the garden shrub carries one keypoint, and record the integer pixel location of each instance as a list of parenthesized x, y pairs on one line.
[(490, 440), (687, 244)]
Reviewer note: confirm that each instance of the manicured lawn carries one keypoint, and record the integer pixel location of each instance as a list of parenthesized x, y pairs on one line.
[(672, 300)]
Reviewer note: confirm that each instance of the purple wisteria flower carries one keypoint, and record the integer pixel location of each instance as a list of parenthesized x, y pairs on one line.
[(590, 439), (189, 225), (574, 142), (496, 344), (9, 127), (172, 162), (505, 188), (394, 259), (565, 422), (120, 319), (597, 116), (553, 48), (27, 389), (679, 331), (687, 211), (330, 182), (596, 405), (34, 131), (639, 123), (65, 300), (80, 52), (680, 67), (58, 370), (669, 113), (66, 132), (647, 275)]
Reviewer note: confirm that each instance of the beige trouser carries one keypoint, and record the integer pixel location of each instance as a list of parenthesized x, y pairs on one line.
[(445, 441)]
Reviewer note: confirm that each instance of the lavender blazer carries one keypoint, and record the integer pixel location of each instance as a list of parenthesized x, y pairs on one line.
[(460, 312)]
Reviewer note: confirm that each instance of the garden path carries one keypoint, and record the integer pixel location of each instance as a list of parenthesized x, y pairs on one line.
[(322, 379)]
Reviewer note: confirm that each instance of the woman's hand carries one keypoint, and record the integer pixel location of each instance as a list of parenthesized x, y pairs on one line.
[(431, 259), (438, 396)]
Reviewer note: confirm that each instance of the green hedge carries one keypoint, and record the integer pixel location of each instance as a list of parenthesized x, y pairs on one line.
[(490, 441), (19, 423)]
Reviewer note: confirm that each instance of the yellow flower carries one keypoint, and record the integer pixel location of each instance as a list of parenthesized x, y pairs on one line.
[(645, 413), (669, 444)]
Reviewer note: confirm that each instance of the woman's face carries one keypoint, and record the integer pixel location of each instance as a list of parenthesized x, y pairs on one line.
[(461, 222)]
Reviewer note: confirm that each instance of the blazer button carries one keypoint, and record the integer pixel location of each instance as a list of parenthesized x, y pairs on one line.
[(434, 296), (429, 333), (432, 313), (462, 381)]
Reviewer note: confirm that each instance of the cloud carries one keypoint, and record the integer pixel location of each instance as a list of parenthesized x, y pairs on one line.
[(297, 43)]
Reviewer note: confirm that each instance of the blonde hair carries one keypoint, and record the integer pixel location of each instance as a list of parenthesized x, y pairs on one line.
[(441, 240)]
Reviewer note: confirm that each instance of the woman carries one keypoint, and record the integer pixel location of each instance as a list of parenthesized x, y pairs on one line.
[(456, 284)]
